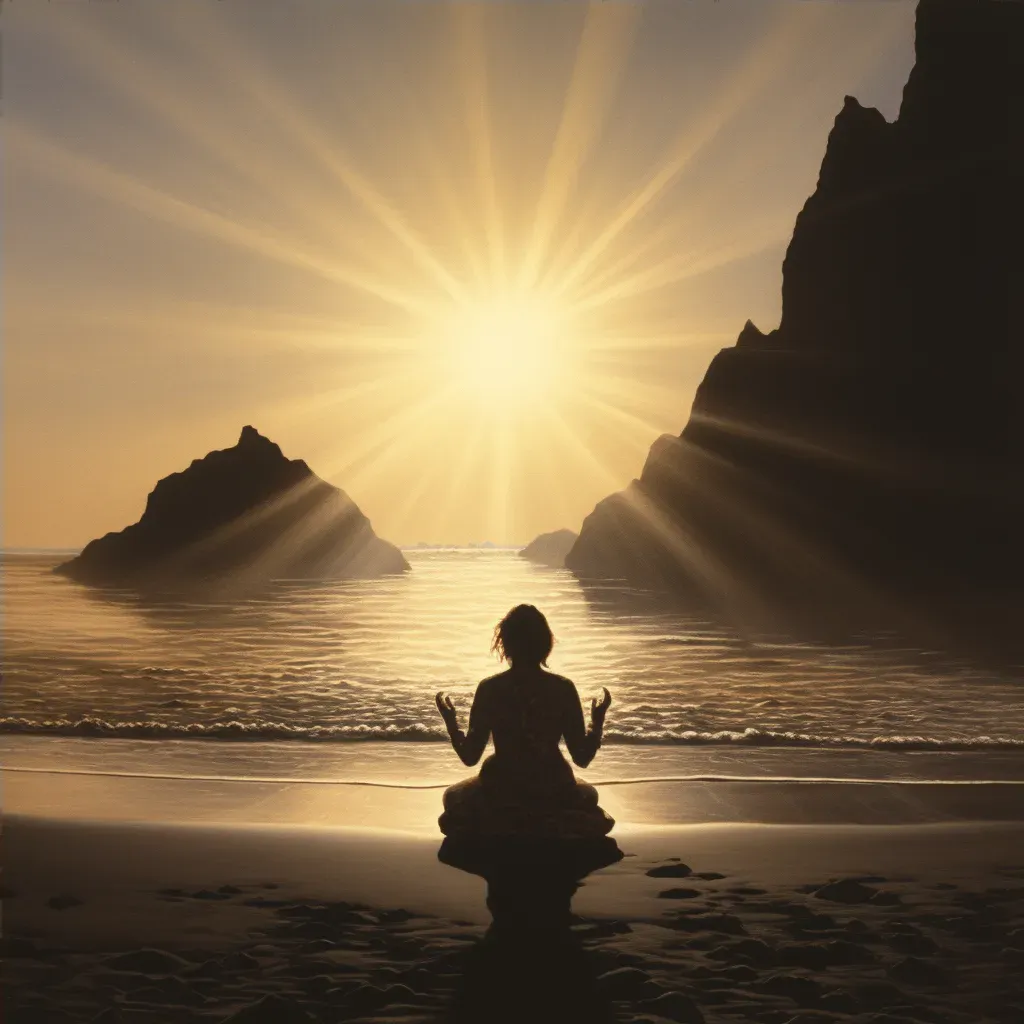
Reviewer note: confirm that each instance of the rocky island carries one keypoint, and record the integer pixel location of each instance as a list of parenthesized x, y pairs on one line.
[(244, 513), (550, 548), (872, 447)]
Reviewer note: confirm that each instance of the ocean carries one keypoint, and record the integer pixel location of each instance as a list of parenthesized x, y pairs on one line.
[(335, 681)]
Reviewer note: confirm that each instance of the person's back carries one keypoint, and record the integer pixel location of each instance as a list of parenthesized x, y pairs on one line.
[(527, 710)]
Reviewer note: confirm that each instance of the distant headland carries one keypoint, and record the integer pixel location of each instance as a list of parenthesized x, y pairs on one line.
[(871, 448), (550, 548), (243, 513)]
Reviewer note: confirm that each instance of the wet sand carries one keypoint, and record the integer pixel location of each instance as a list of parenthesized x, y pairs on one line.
[(109, 916)]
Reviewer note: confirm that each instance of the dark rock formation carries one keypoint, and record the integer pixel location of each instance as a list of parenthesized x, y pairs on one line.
[(550, 548), (872, 446), (245, 513)]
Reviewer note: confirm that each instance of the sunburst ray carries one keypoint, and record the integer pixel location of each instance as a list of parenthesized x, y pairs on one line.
[(791, 28), (601, 52)]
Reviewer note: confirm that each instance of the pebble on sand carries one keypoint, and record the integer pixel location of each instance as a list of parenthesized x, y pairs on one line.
[(674, 869), (679, 894)]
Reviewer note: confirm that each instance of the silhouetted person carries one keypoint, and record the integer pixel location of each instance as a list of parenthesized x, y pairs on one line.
[(526, 787)]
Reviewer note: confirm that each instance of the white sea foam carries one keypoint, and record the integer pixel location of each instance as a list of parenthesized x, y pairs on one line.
[(264, 732)]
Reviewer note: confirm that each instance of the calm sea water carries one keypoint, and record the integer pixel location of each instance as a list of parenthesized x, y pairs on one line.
[(333, 663)]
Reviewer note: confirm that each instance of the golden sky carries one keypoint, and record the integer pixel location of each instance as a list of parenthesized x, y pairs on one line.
[(468, 261)]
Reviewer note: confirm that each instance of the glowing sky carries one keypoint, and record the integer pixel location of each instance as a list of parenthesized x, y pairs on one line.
[(467, 261)]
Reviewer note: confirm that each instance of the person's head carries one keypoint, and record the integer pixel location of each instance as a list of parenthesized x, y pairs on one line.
[(523, 637)]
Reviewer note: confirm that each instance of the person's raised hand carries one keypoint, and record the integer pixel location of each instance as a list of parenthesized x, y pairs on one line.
[(446, 709), (599, 710)]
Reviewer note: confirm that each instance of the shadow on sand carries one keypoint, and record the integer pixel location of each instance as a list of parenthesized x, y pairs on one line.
[(530, 966)]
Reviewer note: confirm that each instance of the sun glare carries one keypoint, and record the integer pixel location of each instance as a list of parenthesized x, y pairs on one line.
[(498, 274), (509, 352)]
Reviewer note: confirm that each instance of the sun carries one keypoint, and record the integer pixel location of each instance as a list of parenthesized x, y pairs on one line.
[(508, 352)]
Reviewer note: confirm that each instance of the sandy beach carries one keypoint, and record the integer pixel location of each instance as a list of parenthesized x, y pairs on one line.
[(751, 914)]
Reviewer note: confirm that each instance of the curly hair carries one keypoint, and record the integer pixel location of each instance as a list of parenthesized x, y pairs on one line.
[(523, 636)]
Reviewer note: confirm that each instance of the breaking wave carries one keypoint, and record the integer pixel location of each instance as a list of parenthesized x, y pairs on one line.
[(272, 732)]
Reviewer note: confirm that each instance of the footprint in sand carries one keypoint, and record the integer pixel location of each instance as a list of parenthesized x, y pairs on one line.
[(675, 869)]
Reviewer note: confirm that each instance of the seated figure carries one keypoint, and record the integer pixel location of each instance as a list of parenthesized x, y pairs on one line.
[(526, 788)]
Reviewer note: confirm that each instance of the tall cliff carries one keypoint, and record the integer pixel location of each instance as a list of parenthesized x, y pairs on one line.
[(873, 443), (245, 513)]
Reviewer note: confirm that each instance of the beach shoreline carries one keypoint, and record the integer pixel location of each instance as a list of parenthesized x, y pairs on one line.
[(269, 921)]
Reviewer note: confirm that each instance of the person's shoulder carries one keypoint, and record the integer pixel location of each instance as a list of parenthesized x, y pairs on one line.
[(564, 683), (492, 682)]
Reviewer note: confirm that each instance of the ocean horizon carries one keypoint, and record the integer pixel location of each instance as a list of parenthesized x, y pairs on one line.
[(288, 683)]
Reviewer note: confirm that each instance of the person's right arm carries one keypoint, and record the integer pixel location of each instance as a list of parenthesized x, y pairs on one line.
[(469, 745), (583, 743)]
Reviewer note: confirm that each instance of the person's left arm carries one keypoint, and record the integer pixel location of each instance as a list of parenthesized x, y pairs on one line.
[(469, 745), (583, 744)]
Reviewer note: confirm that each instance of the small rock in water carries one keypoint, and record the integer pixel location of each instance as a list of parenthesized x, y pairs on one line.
[(63, 902), (671, 870), (207, 894), (709, 876), (846, 891), (229, 890)]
